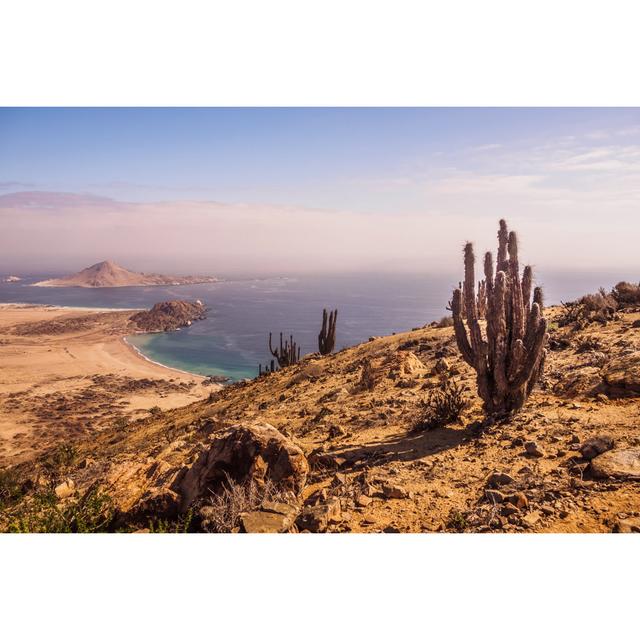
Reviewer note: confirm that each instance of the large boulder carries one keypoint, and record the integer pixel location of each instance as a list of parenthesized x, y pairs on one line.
[(619, 464), (622, 376), (245, 453)]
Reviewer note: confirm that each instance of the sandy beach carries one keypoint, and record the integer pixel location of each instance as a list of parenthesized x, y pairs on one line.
[(65, 372)]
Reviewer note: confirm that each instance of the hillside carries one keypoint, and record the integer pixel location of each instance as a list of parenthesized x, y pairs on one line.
[(354, 455), (110, 274)]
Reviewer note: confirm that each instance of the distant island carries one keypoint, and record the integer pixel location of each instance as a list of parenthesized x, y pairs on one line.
[(110, 274)]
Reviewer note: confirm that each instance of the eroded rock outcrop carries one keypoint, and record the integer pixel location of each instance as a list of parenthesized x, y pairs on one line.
[(245, 453)]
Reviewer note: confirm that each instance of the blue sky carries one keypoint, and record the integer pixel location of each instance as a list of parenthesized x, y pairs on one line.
[(290, 189), (308, 157)]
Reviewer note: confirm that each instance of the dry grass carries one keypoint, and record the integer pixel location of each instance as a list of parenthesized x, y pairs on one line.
[(222, 512)]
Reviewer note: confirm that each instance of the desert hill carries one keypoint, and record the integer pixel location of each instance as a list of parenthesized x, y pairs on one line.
[(110, 274), (169, 315), (345, 432)]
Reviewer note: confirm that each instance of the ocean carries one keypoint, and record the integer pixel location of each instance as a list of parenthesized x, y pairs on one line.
[(233, 339)]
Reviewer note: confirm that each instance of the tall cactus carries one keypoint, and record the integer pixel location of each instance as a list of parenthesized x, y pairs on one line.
[(287, 354), (510, 360), (327, 335)]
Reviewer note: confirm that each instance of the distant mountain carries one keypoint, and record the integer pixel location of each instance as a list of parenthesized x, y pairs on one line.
[(110, 274)]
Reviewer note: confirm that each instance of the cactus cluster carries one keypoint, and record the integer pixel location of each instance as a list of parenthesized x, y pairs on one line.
[(327, 335), (287, 354), (509, 360)]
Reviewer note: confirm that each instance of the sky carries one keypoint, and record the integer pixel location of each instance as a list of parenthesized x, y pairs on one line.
[(275, 190)]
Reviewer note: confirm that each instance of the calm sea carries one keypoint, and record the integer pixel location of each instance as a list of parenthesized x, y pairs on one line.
[(233, 339)]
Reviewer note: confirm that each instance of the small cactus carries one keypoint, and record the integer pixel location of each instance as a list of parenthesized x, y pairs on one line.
[(327, 335), (287, 354)]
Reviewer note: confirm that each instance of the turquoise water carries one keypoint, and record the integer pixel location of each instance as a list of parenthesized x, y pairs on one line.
[(233, 339)]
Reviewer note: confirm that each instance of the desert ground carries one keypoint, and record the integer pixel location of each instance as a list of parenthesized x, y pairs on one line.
[(354, 447), (67, 372)]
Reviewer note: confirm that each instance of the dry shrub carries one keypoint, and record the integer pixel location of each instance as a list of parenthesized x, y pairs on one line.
[(588, 343), (222, 512), (594, 307), (443, 406), (626, 294), (445, 321)]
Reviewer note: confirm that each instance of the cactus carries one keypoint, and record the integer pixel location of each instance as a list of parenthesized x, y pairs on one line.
[(327, 335), (511, 358), (287, 354), (268, 368)]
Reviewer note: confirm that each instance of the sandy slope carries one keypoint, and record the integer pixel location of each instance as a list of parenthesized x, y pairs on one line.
[(45, 371)]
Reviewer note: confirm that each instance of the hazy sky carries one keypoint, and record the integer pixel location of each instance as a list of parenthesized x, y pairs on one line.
[(286, 190)]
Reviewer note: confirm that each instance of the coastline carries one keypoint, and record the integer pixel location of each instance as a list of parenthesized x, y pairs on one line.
[(155, 362), (64, 373)]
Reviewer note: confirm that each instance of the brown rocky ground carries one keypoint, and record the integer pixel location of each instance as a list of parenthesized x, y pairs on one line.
[(369, 468)]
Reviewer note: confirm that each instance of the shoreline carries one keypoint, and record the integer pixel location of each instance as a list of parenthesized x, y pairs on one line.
[(155, 362)]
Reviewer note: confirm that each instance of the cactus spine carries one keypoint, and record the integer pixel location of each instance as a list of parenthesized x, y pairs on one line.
[(510, 360), (287, 354), (327, 336)]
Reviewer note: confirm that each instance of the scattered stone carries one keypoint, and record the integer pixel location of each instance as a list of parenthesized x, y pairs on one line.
[(498, 479), (532, 518), (547, 510), (627, 525), (395, 492), (494, 496), (509, 509), (364, 501), (65, 489), (596, 446), (317, 518), (620, 464), (519, 499), (533, 449), (574, 439), (622, 376), (273, 517)]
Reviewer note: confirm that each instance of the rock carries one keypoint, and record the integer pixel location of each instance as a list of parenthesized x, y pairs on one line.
[(533, 449), (574, 439), (586, 381), (65, 489), (364, 501), (547, 510), (532, 518), (635, 324), (494, 496), (498, 479), (409, 364), (317, 518), (156, 503), (596, 446), (519, 499), (336, 431), (322, 460), (395, 492), (509, 509), (272, 517), (621, 376), (619, 464), (244, 453), (627, 525)]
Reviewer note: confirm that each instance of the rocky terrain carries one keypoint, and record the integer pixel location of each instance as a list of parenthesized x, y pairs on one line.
[(168, 316), (339, 444), (110, 274)]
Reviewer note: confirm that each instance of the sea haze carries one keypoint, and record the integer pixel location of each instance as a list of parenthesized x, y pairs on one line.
[(233, 339)]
